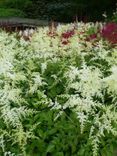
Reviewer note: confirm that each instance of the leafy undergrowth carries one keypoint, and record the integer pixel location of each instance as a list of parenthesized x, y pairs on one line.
[(58, 92)]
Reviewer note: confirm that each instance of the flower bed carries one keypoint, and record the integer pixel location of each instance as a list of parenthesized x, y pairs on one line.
[(58, 92)]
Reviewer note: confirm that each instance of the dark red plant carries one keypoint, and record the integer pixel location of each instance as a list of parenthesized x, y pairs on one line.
[(91, 37), (109, 32), (68, 34), (65, 42)]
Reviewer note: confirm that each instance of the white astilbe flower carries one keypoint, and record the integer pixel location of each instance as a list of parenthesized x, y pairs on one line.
[(43, 67), (10, 154), (86, 81), (13, 116), (5, 66), (100, 50), (82, 119), (90, 82), (72, 74), (37, 79), (8, 94), (55, 105), (102, 123), (111, 81), (10, 117), (79, 104), (2, 143), (15, 76), (36, 82), (95, 144)]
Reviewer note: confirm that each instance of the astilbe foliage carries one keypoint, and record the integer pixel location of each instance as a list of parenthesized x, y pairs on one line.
[(55, 98)]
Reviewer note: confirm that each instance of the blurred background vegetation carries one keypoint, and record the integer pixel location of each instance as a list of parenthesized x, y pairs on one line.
[(58, 10)]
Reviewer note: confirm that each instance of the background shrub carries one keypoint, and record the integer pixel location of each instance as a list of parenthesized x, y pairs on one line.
[(11, 13), (62, 10)]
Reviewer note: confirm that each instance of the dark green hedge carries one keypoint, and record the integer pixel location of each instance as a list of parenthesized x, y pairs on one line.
[(62, 10), (11, 12)]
